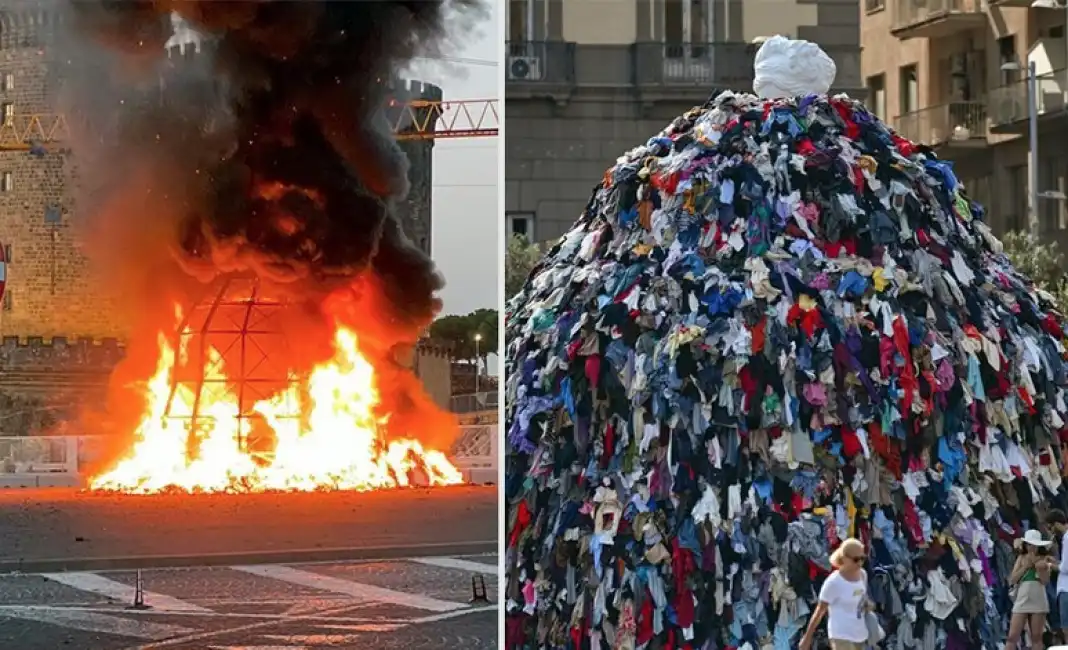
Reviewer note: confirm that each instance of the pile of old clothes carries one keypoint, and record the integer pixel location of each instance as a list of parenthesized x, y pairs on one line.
[(777, 324)]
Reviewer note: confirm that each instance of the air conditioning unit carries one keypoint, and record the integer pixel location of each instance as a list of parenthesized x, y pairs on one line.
[(524, 68)]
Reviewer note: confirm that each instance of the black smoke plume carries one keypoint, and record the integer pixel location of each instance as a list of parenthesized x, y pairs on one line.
[(278, 160)]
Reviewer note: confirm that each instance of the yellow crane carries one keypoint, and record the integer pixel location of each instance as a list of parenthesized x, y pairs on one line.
[(415, 119)]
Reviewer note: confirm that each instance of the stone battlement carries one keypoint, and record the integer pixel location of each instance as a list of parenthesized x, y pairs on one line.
[(409, 89), (434, 349), (28, 23), (59, 353)]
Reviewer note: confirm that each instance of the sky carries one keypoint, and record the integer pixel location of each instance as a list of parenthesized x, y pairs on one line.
[(466, 221)]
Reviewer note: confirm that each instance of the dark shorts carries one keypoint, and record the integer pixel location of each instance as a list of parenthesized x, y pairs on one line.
[(1062, 610)]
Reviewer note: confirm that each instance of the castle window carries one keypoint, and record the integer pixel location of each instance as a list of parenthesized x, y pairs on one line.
[(7, 253), (9, 81), (7, 183), (521, 224), (8, 304), (9, 113)]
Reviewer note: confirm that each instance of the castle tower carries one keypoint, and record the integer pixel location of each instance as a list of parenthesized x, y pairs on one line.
[(48, 294), (414, 212)]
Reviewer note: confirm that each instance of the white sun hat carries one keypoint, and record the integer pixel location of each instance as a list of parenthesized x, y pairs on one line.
[(1034, 538)]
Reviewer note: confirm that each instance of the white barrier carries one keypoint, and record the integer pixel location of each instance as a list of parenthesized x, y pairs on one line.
[(39, 455), (476, 452)]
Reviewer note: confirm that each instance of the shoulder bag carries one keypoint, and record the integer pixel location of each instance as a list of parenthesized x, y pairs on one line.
[(876, 633)]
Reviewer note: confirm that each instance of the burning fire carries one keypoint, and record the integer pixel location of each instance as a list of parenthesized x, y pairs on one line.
[(335, 443)]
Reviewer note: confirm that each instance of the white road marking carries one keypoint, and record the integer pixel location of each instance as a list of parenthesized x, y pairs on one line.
[(377, 626), (433, 618), (456, 563), (200, 636), (259, 647), (97, 584), (91, 622), (264, 617), (320, 640), (357, 590)]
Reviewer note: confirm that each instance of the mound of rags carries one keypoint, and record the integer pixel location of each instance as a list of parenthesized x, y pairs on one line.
[(777, 324)]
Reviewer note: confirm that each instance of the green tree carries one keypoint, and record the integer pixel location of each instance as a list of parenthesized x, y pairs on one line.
[(460, 332), (519, 261), (1043, 262)]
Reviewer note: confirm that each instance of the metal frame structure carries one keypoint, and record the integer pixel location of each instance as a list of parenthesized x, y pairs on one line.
[(423, 119), (22, 132), (417, 119), (239, 323)]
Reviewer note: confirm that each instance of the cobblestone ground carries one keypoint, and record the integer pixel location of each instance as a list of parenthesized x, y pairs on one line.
[(411, 604)]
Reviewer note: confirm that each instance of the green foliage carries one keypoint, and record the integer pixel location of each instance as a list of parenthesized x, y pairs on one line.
[(460, 332), (1042, 262), (519, 261)]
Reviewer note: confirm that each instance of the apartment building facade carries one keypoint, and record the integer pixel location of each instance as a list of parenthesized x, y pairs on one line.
[(953, 74), (589, 79)]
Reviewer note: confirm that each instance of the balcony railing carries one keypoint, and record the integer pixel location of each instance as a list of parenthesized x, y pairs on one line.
[(936, 18), (1008, 105), (955, 122), (728, 65), (700, 63), (696, 67)]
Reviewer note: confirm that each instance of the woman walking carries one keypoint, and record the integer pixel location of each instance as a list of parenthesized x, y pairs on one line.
[(844, 600), (1029, 578)]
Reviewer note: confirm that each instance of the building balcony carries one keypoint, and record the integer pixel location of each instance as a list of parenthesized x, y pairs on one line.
[(956, 125), (658, 71), (936, 18), (1009, 3), (1007, 106), (722, 65)]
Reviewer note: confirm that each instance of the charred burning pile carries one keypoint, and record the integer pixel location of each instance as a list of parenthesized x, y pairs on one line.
[(247, 222)]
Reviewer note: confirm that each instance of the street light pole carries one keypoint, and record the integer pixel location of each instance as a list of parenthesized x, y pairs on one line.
[(478, 363), (1032, 110)]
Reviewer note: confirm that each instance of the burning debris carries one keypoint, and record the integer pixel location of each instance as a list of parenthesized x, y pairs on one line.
[(276, 165), (225, 411)]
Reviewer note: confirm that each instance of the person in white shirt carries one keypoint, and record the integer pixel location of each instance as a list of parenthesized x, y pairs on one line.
[(1058, 524), (843, 600)]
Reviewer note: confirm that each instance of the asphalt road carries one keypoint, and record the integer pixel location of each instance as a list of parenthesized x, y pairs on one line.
[(413, 604), (60, 529)]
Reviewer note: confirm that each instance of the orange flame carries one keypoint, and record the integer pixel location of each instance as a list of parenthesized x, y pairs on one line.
[(336, 444)]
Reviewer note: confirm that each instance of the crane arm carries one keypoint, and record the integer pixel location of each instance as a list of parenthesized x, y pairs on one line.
[(412, 120), (425, 119)]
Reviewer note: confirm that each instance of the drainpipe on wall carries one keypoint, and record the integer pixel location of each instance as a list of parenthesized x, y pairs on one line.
[(711, 6)]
